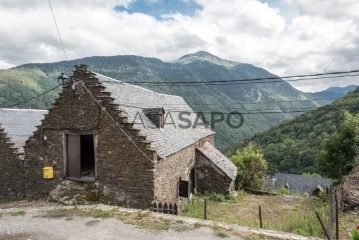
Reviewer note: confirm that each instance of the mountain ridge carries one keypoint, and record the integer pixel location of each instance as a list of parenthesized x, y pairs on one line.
[(28, 80)]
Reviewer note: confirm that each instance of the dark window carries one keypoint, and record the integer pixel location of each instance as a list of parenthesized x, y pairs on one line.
[(183, 188), (156, 115)]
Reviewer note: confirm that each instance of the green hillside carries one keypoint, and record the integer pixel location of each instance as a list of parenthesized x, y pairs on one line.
[(294, 145), (25, 81)]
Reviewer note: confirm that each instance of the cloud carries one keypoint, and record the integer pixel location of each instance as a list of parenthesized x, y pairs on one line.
[(33, 4), (242, 30), (344, 9)]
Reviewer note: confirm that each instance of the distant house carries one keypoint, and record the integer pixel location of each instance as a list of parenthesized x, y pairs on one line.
[(126, 139), (298, 184)]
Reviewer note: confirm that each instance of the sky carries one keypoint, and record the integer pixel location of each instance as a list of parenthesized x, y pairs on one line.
[(286, 37)]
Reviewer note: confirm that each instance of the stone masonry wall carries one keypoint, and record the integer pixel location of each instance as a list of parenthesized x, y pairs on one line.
[(11, 169), (211, 178), (124, 174), (170, 170)]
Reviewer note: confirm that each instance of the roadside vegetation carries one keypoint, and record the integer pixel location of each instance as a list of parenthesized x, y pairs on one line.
[(288, 213)]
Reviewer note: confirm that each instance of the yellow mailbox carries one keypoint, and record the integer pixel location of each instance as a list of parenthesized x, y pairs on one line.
[(48, 172)]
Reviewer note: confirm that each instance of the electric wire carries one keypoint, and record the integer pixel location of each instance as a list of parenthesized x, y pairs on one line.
[(57, 28), (246, 81), (32, 98)]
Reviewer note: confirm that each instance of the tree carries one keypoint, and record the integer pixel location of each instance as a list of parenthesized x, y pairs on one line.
[(340, 150), (252, 167)]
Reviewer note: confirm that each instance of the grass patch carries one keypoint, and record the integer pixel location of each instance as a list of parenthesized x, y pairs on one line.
[(154, 224), (98, 213), (71, 212), (295, 214), (221, 235), (220, 232), (18, 213), (347, 223)]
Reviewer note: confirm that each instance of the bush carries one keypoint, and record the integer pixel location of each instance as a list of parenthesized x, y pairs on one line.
[(251, 166)]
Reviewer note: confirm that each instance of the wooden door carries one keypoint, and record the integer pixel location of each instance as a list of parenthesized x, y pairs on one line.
[(73, 156)]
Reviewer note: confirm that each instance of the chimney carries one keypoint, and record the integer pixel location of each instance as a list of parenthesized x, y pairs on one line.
[(81, 68)]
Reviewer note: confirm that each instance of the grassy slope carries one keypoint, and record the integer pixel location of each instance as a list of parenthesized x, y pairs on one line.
[(293, 214)]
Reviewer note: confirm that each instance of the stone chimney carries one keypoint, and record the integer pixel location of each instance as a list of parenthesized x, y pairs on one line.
[(81, 72), (81, 68)]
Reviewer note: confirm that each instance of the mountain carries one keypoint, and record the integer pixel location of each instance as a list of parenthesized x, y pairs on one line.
[(25, 81), (293, 146), (333, 93)]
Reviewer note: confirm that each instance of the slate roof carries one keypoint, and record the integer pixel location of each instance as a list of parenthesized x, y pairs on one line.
[(168, 140), (300, 183), (221, 161), (19, 124)]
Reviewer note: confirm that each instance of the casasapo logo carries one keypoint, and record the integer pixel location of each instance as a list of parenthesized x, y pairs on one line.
[(188, 120)]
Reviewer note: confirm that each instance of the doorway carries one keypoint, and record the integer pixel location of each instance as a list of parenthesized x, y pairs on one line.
[(80, 153), (193, 181)]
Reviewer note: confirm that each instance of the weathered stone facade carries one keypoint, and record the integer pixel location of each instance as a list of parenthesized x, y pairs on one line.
[(175, 167), (11, 169), (211, 178), (350, 191), (123, 173)]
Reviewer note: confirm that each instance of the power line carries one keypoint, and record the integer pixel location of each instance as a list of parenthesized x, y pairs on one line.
[(29, 99), (58, 31), (244, 103), (243, 81)]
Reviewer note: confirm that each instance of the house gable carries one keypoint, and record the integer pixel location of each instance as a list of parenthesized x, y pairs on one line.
[(124, 161)]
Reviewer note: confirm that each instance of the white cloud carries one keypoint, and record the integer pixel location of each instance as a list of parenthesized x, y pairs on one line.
[(243, 30), (328, 8)]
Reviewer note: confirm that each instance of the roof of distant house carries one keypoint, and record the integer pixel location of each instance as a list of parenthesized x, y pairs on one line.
[(19, 124), (300, 183)]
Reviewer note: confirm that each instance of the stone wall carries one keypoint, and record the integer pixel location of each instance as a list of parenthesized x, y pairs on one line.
[(11, 169), (124, 174), (350, 191), (170, 170), (211, 178)]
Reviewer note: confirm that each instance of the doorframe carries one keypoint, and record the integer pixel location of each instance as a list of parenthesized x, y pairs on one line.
[(64, 148)]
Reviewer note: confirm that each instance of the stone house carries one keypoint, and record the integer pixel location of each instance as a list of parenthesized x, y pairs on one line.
[(133, 143), (16, 127)]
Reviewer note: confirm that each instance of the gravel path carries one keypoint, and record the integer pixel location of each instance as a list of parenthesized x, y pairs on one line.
[(32, 227)]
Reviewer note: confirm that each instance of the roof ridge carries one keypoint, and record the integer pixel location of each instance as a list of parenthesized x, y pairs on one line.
[(299, 175)]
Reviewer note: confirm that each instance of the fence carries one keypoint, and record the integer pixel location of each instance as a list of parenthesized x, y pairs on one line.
[(323, 223)]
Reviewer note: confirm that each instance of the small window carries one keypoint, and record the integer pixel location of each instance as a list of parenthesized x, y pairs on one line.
[(156, 115)]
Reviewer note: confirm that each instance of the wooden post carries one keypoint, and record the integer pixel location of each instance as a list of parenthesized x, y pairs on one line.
[(260, 217), (321, 223), (336, 215), (205, 209)]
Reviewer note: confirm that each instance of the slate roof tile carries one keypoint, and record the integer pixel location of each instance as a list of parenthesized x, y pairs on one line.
[(221, 161)]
